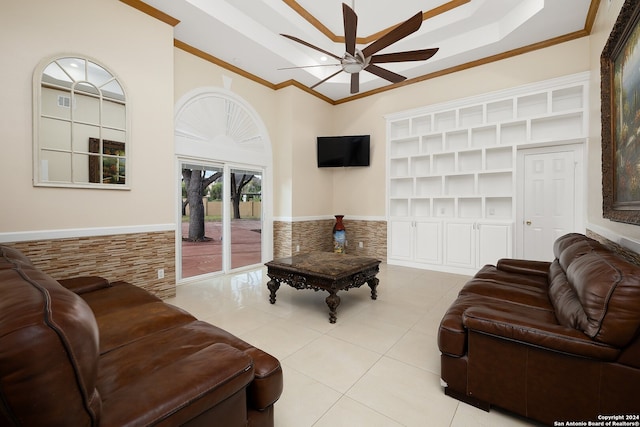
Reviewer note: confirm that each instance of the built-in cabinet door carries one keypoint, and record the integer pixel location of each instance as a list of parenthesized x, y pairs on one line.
[(401, 238), (475, 244), (460, 248), (428, 241), (494, 242)]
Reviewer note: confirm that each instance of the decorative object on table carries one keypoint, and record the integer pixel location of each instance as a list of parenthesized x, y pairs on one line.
[(339, 235), (620, 111)]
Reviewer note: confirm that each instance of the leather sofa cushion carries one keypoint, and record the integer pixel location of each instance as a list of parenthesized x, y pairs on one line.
[(594, 290), (151, 353), (524, 267), (126, 313), (117, 296), (511, 271), (512, 292), (571, 239), (566, 303), (609, 290), (84, 284), (37, 313)]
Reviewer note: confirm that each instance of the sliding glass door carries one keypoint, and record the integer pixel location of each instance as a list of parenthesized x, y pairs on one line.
[(202, 219), (246, 220), (221, 218)]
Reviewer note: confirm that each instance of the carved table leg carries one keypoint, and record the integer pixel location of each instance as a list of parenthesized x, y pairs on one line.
[(333, 301), (273, 286), (373, 284)]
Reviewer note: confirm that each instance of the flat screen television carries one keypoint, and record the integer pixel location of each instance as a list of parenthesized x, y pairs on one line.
[(343, 151)]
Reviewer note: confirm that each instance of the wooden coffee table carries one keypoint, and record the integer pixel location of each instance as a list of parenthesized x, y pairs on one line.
[(323, 271)]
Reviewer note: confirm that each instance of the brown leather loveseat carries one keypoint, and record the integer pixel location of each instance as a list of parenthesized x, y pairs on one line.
[(86, 352), (554, 341)]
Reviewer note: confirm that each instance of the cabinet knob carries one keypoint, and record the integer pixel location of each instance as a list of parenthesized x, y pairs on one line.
[(528, 222)]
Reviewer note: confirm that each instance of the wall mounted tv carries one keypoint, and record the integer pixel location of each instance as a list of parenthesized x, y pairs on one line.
[(341, 151)]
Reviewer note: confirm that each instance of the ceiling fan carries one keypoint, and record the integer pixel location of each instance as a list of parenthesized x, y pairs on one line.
[(355, 60)]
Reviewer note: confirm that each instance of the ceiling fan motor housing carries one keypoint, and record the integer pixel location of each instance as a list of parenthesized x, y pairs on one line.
[(354, 63)]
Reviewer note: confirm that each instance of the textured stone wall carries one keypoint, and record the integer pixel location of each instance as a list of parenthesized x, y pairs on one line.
[(281, 239), (135, 258), (372, 234), (313, 236), (316, 235)]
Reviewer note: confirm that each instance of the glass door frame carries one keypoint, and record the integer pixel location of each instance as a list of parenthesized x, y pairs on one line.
[(260, 170), (226, 167)]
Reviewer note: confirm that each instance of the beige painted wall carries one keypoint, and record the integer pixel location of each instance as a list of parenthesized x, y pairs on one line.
[(137, 48), (313, 187)]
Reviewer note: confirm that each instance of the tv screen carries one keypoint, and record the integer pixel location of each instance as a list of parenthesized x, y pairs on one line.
[(342, 151)]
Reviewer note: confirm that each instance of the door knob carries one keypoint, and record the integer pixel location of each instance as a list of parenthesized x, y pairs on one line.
[(528, 222)]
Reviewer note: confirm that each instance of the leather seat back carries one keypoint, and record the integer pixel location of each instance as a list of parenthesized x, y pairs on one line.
[(595, 290), (48, 349)]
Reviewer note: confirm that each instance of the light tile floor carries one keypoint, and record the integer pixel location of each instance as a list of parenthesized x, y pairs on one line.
[(378, 365)]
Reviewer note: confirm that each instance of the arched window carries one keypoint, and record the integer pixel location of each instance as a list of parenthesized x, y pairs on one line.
[(80, 125)]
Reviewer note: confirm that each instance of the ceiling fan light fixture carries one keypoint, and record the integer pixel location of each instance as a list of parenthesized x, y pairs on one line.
[(351, 67)]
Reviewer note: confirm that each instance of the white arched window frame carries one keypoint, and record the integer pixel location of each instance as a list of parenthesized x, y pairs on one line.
[(81, 123)]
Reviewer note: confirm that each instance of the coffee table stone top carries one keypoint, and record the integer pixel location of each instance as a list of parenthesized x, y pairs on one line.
[(327, 264)]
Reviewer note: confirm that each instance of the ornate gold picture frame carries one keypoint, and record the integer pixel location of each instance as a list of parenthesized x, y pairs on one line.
[(620, 111)]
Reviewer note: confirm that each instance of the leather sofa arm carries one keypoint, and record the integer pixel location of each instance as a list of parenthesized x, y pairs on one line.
[(266, 387), (83, 284), (520, 327), (523, 266)]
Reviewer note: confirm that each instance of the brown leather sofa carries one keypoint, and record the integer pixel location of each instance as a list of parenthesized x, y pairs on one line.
[(86, 352), (552, 341)]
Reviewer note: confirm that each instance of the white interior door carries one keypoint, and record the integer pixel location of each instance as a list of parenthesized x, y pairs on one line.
[(551, 199)]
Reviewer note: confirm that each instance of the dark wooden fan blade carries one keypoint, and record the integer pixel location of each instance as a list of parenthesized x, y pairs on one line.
[(355, 82), (409, 26), (385, 74), (350, 28), (409, 55), (302, 42), (324, 80)]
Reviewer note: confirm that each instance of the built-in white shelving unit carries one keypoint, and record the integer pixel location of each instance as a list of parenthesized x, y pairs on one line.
[(451, 169)]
